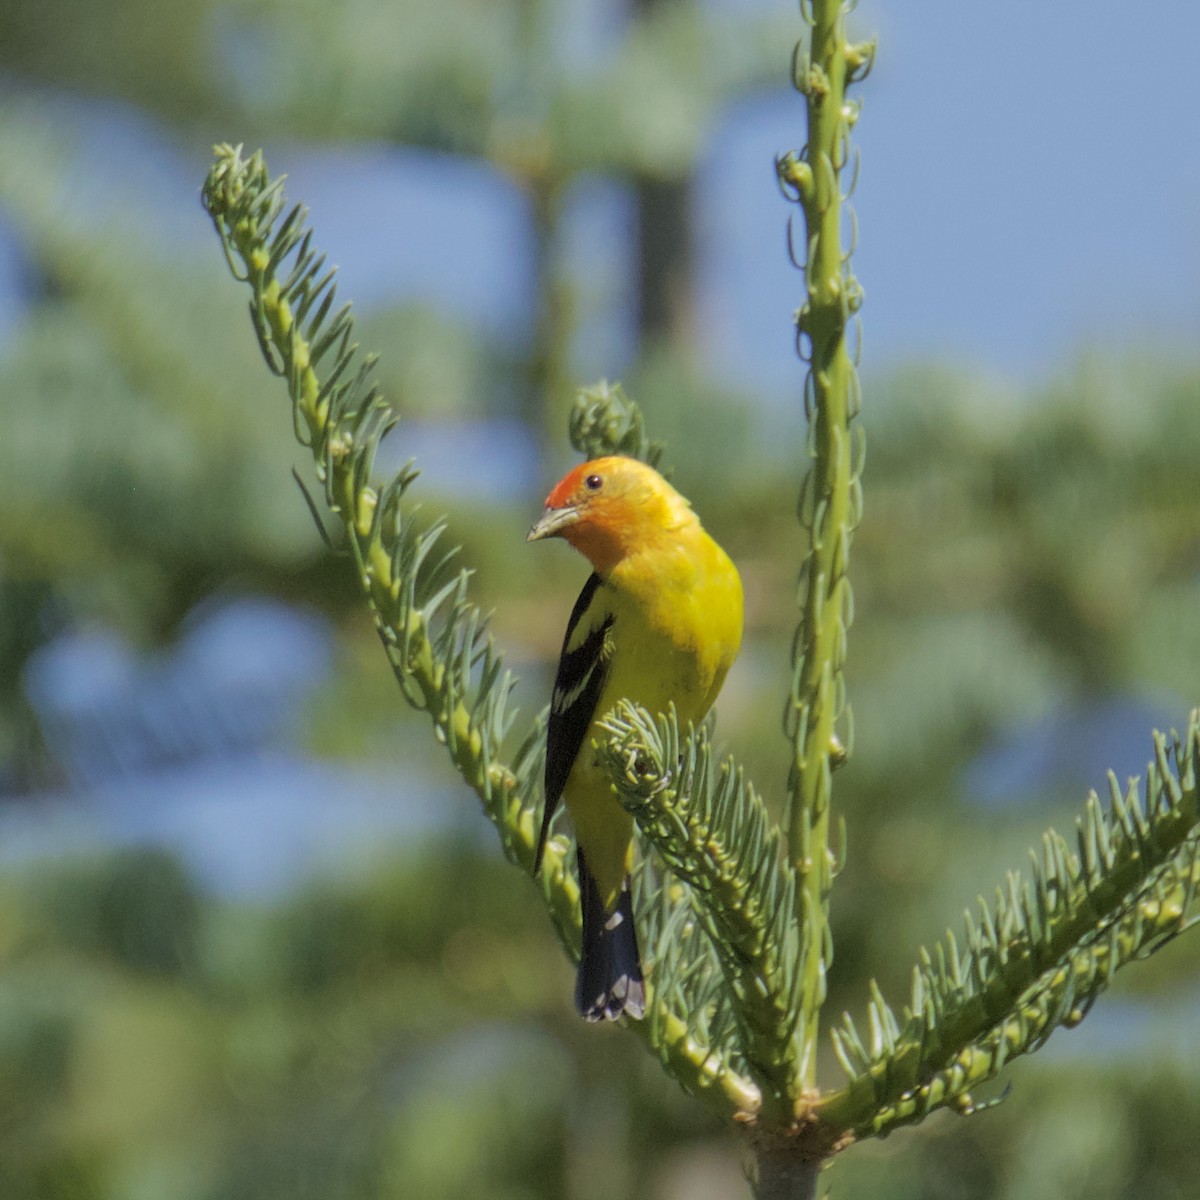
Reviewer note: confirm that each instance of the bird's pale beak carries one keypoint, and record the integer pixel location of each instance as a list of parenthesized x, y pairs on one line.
[(552, 522)]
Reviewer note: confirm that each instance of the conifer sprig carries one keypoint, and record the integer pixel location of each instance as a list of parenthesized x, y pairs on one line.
[(711, 828), (436, 639), (1039, 955), (605, 421), (688, 992)]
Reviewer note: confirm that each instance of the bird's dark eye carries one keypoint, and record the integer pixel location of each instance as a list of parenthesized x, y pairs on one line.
[(593, 483)]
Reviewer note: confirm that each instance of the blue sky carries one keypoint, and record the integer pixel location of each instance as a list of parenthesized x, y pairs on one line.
[(1058, 201), (1030, 190)]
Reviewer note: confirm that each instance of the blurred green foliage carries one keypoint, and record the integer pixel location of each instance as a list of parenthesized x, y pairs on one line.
[(406, 1030), (401, 1025)]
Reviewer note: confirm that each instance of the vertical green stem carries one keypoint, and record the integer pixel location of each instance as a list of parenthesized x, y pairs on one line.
[(829, 499)]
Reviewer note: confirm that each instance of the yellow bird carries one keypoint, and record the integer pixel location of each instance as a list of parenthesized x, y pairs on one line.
[(658, 621)]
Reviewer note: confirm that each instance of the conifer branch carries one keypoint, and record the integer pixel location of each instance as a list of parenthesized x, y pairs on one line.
[(736, 923), (712, 829), (437, 641), (830, 497), (1039, 955), (688, 998)]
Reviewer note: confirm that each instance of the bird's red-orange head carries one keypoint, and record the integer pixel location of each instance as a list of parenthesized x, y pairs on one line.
[(610, 506)]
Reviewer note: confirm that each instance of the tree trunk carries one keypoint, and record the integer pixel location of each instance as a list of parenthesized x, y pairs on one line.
[(780, 1175)]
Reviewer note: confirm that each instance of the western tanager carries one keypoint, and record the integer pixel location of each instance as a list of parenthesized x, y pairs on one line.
[(658, 621)]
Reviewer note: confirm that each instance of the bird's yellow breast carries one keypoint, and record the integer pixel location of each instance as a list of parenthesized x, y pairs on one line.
[(675, 632)]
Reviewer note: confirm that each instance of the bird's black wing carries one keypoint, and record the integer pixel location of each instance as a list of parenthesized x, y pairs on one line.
[(582, 669)]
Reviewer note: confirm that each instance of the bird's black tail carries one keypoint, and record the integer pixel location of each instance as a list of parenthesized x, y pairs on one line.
[(610, 981)]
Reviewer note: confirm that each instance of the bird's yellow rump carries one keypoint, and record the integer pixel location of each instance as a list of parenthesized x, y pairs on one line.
[(658, 622)]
